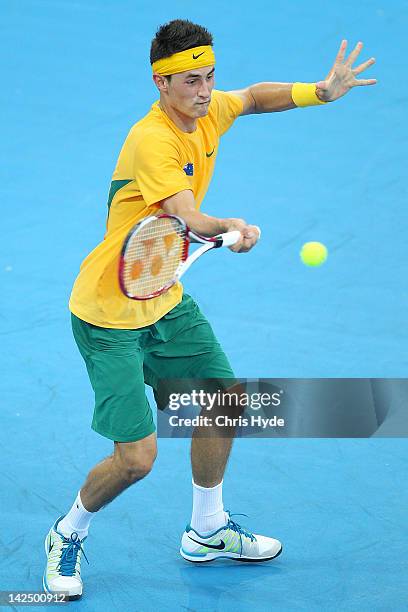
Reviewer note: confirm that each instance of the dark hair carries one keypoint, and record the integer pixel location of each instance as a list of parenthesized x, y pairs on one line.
[(178, 35)]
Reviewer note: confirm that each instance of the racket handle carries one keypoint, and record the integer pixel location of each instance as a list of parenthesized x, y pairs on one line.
[(230, 238)]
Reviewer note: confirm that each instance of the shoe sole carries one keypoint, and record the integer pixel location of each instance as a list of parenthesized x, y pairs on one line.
[(242, 559), (44, 582)]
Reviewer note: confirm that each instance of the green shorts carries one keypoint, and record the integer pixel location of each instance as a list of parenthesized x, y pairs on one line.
[(120, 361)]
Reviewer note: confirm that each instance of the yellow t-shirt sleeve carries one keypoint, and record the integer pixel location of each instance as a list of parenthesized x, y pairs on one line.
[(227, 107), (157, 168)]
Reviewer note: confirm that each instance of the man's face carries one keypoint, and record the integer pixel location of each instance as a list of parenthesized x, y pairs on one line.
[(189, 93)]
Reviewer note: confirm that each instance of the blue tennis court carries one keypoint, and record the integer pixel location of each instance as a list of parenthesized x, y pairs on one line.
[(76, 76)]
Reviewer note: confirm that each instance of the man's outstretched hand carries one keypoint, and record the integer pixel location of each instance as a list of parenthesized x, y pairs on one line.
[(342, 76)]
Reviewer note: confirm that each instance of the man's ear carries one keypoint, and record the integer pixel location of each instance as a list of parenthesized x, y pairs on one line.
[(161, 83)]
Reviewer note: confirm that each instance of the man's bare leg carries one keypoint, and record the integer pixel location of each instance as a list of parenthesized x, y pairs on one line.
[(210, 449), (209, 457), (211, 533), (130, 462)]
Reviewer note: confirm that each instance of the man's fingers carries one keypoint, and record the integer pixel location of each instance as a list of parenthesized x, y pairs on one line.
[(252, 232), (359, 69), (341, 53), (238, 245), (354, 54), (247, 245), (244, 245), (361, 82), (249, 237)]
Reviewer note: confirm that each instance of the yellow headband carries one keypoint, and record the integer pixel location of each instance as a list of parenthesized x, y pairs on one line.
[(198, 57)]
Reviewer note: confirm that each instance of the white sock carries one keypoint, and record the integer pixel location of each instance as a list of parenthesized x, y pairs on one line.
[(208, 509), (77, 519)]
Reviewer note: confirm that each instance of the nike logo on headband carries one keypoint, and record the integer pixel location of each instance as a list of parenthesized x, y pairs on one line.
[(197, 56)]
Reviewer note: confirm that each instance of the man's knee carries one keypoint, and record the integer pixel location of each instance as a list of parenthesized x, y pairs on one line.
[(135, 459)]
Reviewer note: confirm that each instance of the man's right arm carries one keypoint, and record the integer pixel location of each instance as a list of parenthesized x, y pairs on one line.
[(182, 204), (158, 172)]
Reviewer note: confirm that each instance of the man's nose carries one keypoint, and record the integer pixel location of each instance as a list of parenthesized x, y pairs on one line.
[(204, 91)]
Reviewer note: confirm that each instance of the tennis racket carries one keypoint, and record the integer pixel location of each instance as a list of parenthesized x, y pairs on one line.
[(155, 255)]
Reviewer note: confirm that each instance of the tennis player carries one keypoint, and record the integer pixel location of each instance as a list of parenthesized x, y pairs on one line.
[(166, 164)]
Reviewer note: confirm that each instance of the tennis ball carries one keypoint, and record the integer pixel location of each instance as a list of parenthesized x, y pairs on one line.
[(313, 254)]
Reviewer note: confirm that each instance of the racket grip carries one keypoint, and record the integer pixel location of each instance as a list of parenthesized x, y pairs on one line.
[(230, 238), (259, 231)]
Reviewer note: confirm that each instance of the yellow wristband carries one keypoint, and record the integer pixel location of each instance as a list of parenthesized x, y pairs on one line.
[(304, 94)]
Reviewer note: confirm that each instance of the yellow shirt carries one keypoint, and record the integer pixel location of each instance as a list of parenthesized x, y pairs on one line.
[(157, 160)]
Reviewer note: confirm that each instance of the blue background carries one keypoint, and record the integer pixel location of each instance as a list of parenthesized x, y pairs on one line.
[(75, 78)]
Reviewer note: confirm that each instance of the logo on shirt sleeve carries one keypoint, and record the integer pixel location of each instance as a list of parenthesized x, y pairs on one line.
[(189, 169)]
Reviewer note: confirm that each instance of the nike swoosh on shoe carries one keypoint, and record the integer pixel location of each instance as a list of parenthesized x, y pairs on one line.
[(219, 546)]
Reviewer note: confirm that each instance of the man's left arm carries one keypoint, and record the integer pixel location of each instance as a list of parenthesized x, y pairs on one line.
[(275, 97)]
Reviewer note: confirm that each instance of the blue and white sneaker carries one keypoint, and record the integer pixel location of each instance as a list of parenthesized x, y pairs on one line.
[(63, 571), (230, 542)]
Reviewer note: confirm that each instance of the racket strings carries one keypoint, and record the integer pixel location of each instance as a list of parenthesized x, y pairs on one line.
[(152, 256)]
